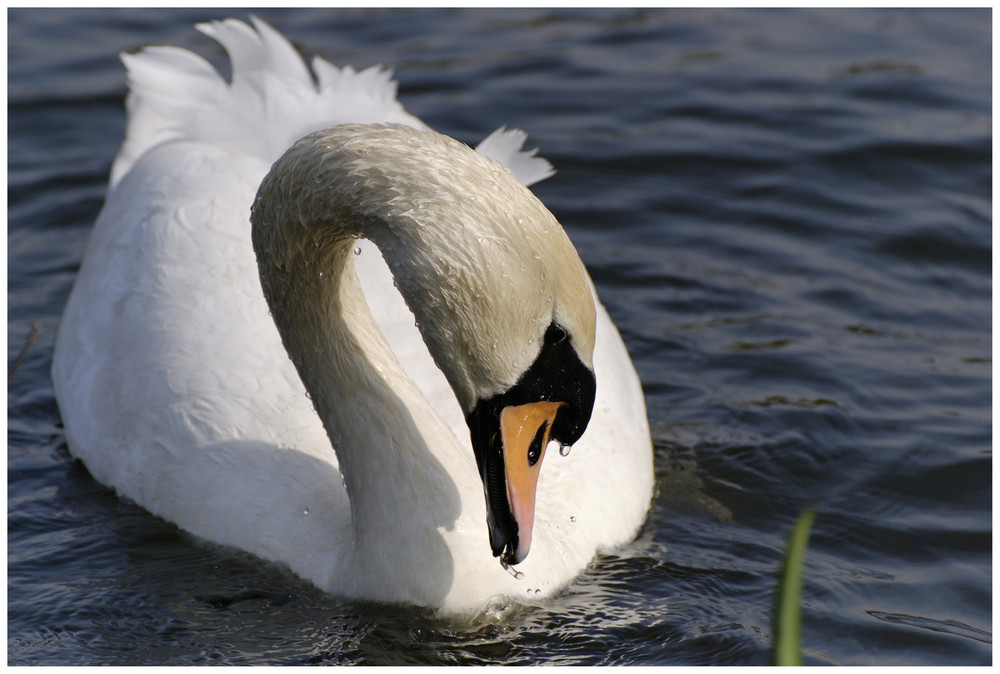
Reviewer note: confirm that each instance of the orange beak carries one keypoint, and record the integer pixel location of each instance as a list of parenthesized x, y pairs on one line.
[(524, 431)]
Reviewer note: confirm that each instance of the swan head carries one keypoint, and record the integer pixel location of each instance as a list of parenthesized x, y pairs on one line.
[(510, 429), (500, 295)]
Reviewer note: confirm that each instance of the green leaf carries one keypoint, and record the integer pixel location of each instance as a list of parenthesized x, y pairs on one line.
[(788, 611)]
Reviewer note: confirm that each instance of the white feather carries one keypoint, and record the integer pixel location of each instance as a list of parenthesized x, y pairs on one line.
[(175, 388)]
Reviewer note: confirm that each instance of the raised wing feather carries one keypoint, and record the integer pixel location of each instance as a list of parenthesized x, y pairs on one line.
[(272, 101)]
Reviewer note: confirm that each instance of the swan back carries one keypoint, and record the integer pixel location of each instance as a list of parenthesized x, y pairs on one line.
[(272, 100)]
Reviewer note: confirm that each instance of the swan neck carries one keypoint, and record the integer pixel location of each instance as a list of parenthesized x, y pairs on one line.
[(402, 466)]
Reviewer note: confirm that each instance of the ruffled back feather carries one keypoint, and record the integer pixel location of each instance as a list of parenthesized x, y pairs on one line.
[(272, 101)]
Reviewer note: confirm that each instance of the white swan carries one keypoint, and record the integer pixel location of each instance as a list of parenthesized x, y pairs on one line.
[(176, 389)]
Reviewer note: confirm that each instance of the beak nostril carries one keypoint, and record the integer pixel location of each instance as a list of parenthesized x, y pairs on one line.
[(538, 444)]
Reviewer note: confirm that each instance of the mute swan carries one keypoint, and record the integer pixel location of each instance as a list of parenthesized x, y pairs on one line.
[(176, 387)]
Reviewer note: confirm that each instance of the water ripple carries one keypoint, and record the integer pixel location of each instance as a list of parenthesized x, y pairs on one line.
[(788, 213)]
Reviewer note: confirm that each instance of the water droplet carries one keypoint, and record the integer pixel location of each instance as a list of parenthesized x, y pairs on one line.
[(564, 450), (306, 511), (518, 575), (322, 274), (572, 518), (357, 251), (538, 591)]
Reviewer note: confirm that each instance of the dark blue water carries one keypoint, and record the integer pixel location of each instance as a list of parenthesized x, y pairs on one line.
[(788, 215)]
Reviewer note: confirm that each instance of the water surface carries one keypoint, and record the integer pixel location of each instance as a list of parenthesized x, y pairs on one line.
[(788, 215)]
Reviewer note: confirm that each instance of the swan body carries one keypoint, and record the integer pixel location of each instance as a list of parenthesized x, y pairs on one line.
[(292, 390)]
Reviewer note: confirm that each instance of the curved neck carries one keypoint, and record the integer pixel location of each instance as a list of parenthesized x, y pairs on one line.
[(481, 263), (483, 266), (404, 469)]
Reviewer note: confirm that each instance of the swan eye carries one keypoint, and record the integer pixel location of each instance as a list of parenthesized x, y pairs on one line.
[(554, 334), (535, 449)]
